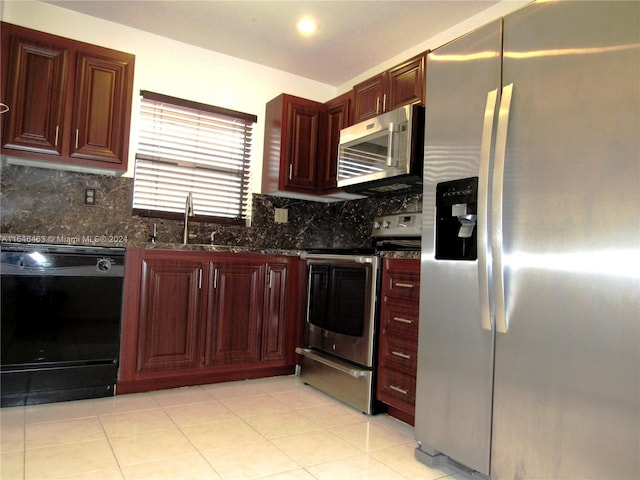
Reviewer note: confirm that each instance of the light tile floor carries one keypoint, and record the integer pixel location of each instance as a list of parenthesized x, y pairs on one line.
[(275, 428)]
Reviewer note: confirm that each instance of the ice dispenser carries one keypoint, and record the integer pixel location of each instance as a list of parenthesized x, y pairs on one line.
[(456, 216)]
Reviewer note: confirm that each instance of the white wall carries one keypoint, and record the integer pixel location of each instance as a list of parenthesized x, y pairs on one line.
[(174, 68)]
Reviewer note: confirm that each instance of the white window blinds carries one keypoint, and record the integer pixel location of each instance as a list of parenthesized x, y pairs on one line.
[(190, 147)]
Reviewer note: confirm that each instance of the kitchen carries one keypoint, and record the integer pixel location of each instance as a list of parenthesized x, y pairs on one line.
[(145, 231)]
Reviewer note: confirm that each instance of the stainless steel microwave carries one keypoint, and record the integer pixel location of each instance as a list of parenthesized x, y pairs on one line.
[(384, 154)]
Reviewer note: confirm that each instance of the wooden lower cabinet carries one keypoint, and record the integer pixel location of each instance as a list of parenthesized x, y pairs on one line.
[(195, 317), (398, 344), (275, 344), (235, 313), (169, 315)]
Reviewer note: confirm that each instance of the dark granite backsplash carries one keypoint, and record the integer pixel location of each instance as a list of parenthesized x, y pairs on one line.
[(47, 206)]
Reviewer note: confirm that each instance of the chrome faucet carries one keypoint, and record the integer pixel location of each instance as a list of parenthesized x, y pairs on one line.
[(188, 212)]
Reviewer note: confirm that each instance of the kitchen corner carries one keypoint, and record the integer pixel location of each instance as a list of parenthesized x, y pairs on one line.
[(205, 284)]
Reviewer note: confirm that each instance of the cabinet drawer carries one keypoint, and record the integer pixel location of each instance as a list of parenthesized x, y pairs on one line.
[(399, 353), (396, 388), (400, 318), (404, 285)]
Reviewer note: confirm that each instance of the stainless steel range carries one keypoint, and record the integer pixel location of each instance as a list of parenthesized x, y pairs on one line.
[(341, 324)]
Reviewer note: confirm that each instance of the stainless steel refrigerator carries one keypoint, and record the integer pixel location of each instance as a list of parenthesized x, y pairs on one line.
[(529, 336)]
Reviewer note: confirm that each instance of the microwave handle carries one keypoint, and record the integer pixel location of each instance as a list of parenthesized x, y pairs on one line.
[(391, 138)]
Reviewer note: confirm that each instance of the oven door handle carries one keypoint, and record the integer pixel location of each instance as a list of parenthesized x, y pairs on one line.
[(342, 258), (353, 372)]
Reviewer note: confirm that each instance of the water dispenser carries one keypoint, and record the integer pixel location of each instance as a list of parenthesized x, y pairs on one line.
[(456, 217)]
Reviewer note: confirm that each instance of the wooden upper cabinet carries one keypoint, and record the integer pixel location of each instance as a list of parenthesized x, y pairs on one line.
[(406, 83), (293, 129), (368, 98), (69, 102), (401, 85), (100, 114), (338, 116), (304, 122), (35, 90)]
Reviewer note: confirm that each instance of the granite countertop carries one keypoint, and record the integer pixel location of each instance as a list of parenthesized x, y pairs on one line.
[(412, 254), (248, 249), (111, 242), (114, 242), (203, 247)]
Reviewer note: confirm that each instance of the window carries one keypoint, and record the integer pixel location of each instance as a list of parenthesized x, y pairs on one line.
[(187, 147)]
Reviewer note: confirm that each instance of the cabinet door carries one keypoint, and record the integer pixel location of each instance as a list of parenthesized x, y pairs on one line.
[(234, 313), (274, 321), (35, 93), (338, 117), (100, 107), (369, 98), (170, 313), (303, 134), (406, 83)]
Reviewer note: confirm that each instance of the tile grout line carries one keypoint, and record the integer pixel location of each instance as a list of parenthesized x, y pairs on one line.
[(113, 452), (24, 443), (187, 437), (274, 394)]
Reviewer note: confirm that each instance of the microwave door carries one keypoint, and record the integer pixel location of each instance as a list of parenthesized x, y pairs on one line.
[(369, 158)]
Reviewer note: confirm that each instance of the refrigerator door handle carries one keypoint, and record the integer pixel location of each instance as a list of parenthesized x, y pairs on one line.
[(484, 252), (502, 324)]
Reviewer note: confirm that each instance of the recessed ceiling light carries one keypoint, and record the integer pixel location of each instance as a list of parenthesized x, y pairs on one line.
[(306, 26)]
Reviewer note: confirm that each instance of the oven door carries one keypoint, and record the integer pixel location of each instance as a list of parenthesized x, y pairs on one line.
[(341, 306)]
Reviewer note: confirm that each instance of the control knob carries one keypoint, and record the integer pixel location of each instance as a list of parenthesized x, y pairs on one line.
[(103, 265)]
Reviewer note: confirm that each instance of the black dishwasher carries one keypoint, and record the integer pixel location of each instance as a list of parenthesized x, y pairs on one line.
[(61, 316)]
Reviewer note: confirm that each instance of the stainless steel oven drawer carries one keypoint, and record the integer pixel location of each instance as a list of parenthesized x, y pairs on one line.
[(342, 380)]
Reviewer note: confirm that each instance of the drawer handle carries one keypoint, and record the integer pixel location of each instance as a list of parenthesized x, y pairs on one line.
[(405, 285), (399, 390), (400, 354), (402, 320)]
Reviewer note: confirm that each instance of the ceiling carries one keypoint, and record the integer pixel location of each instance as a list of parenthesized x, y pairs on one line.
[(351, 38)]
